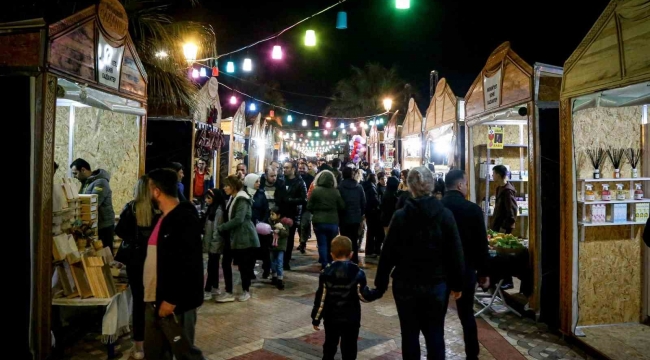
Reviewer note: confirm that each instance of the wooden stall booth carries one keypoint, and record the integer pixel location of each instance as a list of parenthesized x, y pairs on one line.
[(411, 137), (373, 144), (605, 266), (256, 147), (271, 144), (232, 152), (76, 89), (390, 142), (444, 130), (207, 137), (512, 120)]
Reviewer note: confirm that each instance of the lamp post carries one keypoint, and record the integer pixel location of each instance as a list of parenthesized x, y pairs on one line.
[(388, 104), (190, 50)]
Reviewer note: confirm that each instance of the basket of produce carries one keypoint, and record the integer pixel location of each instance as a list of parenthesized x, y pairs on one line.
[(506, 243)]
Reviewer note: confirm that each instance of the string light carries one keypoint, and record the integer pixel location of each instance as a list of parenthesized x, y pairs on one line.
[(333, 133), (308, 134), (203, 73), (248, 64), (328, 124), (230, 67), (317, 134), (233, 100), (325, 132), (195, 73), (316, 123), (310, 38), (304, 122), (277, 52), (289, 118), (252, 107)]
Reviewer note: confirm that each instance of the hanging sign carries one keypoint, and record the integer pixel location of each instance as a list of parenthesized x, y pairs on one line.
[(109, 63), (112, 20), (495, 137), (492, 91)]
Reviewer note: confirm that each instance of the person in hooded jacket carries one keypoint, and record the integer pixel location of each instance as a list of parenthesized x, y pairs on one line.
[(423, 251), (375, 232), (243, 236), (355, 207), (325, 203), (505, 206), (260, 213), (213, 242), (389, 202)]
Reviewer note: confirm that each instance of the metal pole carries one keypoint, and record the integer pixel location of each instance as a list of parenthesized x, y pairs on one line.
[(433, 81)]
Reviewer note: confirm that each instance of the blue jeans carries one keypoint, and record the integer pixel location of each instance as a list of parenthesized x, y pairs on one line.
[(277, 263), (421, 309), (325, 233)]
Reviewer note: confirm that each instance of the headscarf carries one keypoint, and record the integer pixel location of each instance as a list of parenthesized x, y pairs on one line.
[(249, 183), (218, 199)]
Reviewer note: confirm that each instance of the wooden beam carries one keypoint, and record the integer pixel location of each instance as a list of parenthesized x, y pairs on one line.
[(566, 216)]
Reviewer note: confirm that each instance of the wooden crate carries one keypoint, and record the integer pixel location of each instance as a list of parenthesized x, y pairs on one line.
[(88, 199)]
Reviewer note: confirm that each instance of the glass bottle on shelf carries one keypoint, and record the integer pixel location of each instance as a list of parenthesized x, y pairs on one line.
[(590, 195), (605, 195), (620, 193), (638, 192)]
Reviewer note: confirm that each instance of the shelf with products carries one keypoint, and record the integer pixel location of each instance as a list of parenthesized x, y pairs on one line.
[(629, 201), (609, 223), (615, 180), (506, 146)]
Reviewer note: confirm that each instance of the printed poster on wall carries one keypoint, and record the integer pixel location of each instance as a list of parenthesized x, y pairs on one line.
[(492, 91), (495, 137), (109, 63)]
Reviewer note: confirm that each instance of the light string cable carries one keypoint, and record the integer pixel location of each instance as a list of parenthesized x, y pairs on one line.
[(273, 36), (302, 113)]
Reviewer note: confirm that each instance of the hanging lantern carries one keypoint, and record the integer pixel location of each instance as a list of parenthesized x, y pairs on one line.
[(371, 123), (195, 73), (328, 125), (230, 67), (289, 118), (325, 132), (310, 38), (317, 134), (333, 133), (215, 71), (203, 73), (344, 132), (308, 134), (316, 123), (272, 113), (252, 107), (248, 64), (342, 20), (304, 122), (233, 100), (403, 4), (277, 52), (342, 125)]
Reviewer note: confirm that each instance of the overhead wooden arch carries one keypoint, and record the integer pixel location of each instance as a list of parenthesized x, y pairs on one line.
[(442, 109), (515, 85)]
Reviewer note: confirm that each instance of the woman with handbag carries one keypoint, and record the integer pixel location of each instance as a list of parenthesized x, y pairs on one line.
[(134, 228)]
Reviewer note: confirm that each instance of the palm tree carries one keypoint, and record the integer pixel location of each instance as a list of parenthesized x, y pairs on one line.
[(362, 93)]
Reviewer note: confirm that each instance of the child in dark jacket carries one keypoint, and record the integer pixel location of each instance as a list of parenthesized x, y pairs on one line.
[(280, 228), (342, 284)]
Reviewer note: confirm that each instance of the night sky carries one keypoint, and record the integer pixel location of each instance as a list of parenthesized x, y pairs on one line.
[(453, 37)]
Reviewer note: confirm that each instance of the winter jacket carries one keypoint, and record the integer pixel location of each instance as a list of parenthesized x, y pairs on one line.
[(212, 240), (423, 246), (208, 182), (469, 220), (381, 189), (135, 238), (373, 201), (179, 257), (402, 196), (280, 191), (283, 225), (505, 208), (296, 197), (97, 183), (389, 201), (239, 225), (337, 298), (337, 175), (308, 179), (260, 208), (355, 202), (181, 192), (325, 201)]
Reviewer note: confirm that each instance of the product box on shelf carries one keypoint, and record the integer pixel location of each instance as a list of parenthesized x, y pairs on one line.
[(523, 207), (619, 212), (85, 208), (88, 199), (88, 217), (598, 213), (641, 212)]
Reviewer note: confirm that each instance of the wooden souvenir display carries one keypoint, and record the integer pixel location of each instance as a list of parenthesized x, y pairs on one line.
[(80, 280)]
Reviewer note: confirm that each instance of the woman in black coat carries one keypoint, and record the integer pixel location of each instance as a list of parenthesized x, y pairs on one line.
[(423, 252), (137, 221), (389, 202)]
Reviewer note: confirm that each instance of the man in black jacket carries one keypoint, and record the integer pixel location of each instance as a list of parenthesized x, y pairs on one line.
[(471, 227), (305, 219), (355, 206), (292, 205), (375, 234), (173, 273)]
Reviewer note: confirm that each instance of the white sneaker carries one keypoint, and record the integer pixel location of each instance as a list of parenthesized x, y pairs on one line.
[(207, 295), (244, 297), (216, 292), (137, 355), (225, 297)]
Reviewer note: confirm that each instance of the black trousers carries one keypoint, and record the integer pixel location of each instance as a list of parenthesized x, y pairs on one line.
[(246, 263), (226, 265), (263, 252), (159, 345), (465, 307), (352, 231), (107, 235), (290, 243), (347, 333), (135, 271), (375, 235), (213, 272)]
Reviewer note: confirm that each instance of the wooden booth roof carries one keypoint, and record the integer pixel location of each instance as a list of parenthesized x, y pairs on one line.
[(257, 131), (615, 52), (442, 109), (413, 121), (390, 131), (93, 47), (509, 82), (373, 135)]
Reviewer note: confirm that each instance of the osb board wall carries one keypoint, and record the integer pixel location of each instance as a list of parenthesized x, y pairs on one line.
[(609, 270), (108, 141), (605, 127), (62, 124)]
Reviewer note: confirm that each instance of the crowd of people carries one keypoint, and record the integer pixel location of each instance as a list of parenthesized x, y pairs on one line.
[(422, 230)]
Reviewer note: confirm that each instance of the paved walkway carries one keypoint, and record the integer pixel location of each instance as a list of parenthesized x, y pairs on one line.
[(276, 325)]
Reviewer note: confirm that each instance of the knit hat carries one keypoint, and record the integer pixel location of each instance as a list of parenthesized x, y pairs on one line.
[(249, 183)]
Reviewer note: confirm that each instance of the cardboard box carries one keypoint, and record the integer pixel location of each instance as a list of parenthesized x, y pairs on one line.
[(619, 213), (88, 208), (87, 217), (641, 212), (87, 199)]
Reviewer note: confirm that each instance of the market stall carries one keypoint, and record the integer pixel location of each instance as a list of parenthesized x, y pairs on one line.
[(411, 137), (444, 130), (271, 145), (508, 108), (605, 270), (76, 89), (207, 137), (390, 142), (232, 151), (373, 144), (256, 147)]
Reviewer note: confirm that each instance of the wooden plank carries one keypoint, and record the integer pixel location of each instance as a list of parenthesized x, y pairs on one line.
[(132, 79), (20, 49), (81, 280), (442, 109), (73, 53), (566, 217)]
